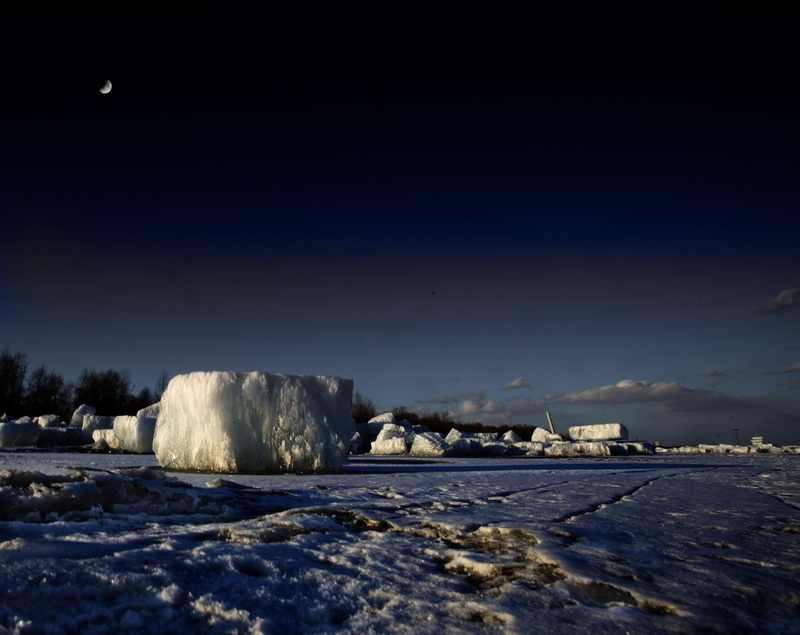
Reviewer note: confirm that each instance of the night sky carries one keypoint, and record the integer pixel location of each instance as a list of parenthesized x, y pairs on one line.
[(495, 212)]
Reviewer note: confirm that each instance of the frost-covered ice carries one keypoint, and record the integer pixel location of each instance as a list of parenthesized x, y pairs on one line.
[(666, 544), (598, 432), (254, 422), (135, 434)]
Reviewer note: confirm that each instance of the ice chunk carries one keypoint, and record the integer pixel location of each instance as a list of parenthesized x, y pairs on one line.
[(59, 436), (22, 432), (511, 437), (80, 413), (592, 448), (393, 430), (465, 446), (150, 411), (393, 439), (598, 432), (540, 435), (531, 448), (375, 425), (393, 446), (48, 421), (135, 434), (560, 450), (95, 422), (495, 448), (429, 444), (108, 437), (254, 422), (386, 417), (356, 443), (643, 447)]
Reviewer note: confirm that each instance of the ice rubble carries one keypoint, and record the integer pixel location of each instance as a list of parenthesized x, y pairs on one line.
[(254, 422), (390, 437)]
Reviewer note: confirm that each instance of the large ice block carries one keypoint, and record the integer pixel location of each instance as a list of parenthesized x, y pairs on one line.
[(598, 432), (254, 422), (134, 434)]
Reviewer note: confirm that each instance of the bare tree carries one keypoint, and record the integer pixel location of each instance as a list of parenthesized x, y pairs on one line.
[(161, 384), (108, 391), (13, 368), (45, 391), (363, 409)]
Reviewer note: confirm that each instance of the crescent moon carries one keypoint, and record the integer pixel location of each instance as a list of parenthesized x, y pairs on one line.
[(106, 87)]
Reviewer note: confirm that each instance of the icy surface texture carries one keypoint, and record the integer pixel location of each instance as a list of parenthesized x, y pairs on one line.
[(429, 444), (540, 435), (598, 432), (95, 422), (93, 543), (48, 421), (135, 434), (254, 422), (150, 411), (109, 438)]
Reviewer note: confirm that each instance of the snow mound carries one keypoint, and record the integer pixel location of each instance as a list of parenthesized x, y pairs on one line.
[(254, 422)]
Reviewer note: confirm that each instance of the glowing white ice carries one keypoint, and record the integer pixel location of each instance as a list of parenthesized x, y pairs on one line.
[(254, 422)]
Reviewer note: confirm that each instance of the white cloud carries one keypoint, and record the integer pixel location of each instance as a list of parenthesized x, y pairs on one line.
[(670, 395), (551, 395), (441, 399), (519, 382), (470, 407), (784, 300), (494, 406), (791, 368)]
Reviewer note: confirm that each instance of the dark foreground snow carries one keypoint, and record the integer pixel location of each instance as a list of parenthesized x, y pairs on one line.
[(667, 544)]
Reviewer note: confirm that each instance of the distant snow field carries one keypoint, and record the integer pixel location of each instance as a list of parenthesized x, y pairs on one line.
[(111, 543)]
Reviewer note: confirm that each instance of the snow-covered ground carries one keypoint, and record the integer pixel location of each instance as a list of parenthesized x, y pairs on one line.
[(669, 544)]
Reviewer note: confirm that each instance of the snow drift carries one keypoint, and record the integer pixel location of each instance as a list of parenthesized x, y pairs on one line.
[(254, 422)]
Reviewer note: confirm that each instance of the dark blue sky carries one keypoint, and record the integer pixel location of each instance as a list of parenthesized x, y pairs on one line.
[(434, 202)]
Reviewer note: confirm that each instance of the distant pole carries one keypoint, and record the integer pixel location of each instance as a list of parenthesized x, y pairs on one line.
[(736, 430), (550, 421)]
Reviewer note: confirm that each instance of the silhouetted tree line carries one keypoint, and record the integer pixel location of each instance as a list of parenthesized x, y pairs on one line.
[(43, 392)]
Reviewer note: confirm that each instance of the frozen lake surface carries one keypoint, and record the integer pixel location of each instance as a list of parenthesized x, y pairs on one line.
[(669, 544)]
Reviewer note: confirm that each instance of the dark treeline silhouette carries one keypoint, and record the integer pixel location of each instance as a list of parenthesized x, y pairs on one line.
[(43, 392)]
